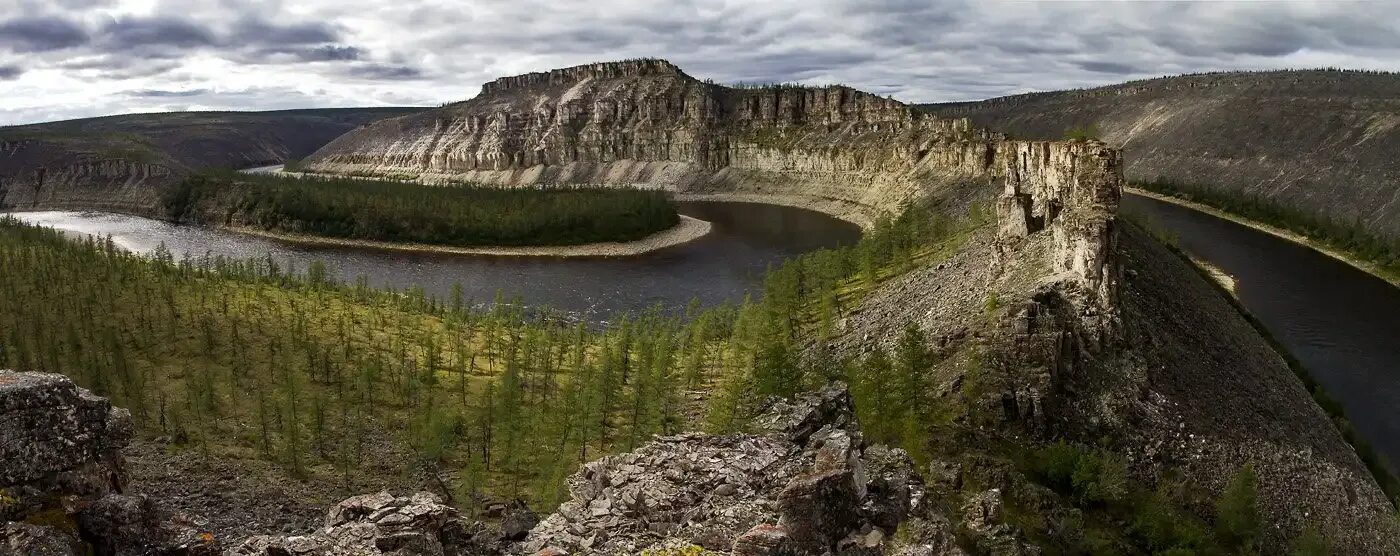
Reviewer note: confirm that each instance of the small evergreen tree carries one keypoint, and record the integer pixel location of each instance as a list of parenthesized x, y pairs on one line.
[(1237, 522)]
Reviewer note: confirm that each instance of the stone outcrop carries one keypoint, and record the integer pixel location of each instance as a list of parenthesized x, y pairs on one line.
[(60, 446), (379, 523), (126, 524), (804, 483), (1072, 189)]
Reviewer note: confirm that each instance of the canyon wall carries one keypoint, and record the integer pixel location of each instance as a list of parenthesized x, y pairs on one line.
[(647, 123), (120, 163)]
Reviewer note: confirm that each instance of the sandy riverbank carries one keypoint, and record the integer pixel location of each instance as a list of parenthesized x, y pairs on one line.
[(1300, 239), (842, 210), (688, 230)]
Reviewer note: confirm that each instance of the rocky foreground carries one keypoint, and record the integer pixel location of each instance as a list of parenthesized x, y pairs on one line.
[(804, 482)]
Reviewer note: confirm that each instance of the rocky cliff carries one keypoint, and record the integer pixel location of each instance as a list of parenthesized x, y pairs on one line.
[(120, 162), (1062, 322), (647, 122), (804, 482), (1319, 142)]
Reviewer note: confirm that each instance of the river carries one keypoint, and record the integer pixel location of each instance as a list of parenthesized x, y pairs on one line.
[(723, 266), (1342, 324)]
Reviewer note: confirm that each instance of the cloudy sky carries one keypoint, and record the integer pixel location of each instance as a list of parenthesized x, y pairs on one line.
[(76, 58)]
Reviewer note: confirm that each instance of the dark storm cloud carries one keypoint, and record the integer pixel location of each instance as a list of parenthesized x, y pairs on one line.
[(132, 33), (38, 34), (799, 65), (259, 31), (1108, 67), (250, 40), (363, 51), (118, 67), (297, 54), (385, 72), (160, 93), (8, 72)]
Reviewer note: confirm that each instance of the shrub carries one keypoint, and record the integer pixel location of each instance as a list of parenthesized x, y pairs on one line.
[(1082, 133), (1095, 476), (1101, 477), (1237, 521), (1163, 528), (1310, 543), (1056, 463)]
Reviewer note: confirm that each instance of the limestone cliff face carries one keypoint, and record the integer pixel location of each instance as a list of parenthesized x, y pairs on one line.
[(647, 122), (1072, 189), (41, 174)]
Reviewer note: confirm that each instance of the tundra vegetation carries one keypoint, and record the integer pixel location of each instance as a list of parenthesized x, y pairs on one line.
[(459, 215), (339, 382)]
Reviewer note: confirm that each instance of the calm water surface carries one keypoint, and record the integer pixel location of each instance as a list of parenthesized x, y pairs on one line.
[(721, 267), (1341, 323)]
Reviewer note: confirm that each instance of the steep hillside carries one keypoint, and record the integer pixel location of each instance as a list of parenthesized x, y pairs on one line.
[(647, 122), (118, 162), (1320, 142), (1086, 329)]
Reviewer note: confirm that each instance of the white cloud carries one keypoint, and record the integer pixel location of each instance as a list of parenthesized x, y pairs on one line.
[(78, 58)]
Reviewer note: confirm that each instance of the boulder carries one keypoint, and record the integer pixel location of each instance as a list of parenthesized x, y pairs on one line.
[(123, 524), (379, 523), (37, 540), (763, 540), (517, 522), (60, 446), (805, 484)]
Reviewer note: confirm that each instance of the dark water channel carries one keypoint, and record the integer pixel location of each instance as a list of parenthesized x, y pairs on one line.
[(722, 266), (1341, 323)]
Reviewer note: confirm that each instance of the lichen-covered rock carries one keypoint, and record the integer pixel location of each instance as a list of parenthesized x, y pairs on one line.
[(59, 444), (24, 539), (379, 523), (982, 512), (122, 524), (799, 488)]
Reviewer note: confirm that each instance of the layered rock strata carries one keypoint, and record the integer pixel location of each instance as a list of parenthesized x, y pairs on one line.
[(648, 123), (121, 163), (1320, 143), (1071, 189)]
